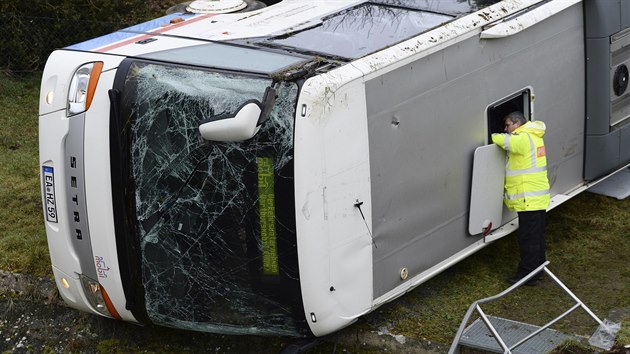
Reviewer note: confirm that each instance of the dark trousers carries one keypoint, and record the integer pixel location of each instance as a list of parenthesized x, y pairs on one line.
[(531, 240)]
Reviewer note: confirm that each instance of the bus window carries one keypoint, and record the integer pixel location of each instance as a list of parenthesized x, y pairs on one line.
[(520, 101), (362, 30)]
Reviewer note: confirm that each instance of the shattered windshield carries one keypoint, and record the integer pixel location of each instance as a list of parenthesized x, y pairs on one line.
[(362, 30), (216, 224)]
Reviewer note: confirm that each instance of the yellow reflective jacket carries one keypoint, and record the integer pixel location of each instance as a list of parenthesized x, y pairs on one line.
[(526, 182)]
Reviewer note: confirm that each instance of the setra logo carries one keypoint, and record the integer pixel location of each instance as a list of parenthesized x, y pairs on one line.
[(101, 267)]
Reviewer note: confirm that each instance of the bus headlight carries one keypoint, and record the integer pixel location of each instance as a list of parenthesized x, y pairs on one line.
[(82, 87), (98, 298)]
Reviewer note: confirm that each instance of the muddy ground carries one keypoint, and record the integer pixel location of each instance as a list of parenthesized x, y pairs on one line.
[(34, 319)]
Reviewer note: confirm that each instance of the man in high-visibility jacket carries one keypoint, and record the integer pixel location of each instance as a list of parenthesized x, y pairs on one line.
[(526, 188)]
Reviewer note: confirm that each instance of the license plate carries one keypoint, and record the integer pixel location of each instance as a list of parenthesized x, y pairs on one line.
[(50, 201)]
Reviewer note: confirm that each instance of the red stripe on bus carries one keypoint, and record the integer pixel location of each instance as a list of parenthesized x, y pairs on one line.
[(153, 33)]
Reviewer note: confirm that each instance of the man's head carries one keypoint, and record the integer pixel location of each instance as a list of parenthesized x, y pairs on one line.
[(513, 121)]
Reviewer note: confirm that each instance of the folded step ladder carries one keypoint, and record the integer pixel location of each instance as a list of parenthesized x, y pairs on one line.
[(479, 336), (501, 335)]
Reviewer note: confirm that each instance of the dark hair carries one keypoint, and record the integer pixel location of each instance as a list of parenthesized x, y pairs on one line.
[(516, 117)]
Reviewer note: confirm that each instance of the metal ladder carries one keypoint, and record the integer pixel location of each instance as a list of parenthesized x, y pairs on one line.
[(490, 323)]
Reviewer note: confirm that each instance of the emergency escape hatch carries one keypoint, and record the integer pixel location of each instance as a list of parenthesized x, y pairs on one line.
[(486, 195)]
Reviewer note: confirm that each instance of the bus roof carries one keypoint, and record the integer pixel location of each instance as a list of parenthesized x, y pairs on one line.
[(291, 25)]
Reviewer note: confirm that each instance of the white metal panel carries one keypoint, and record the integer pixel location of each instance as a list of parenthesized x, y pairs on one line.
[(130, 46), (486, 195), (98, 191), (331, 174)]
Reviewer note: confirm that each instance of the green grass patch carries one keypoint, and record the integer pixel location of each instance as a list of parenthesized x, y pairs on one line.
[(623, 336), (572, 347), (588, 243), (22, 235)]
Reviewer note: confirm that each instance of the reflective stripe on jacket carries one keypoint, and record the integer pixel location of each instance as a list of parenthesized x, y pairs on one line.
[(526, 182)]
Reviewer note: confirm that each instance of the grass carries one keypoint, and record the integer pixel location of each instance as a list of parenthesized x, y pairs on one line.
[(22, 238), (588, 249), (623, 336), (588, 246)]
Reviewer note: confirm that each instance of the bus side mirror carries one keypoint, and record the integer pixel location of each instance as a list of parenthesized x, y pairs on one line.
[(239, 126)]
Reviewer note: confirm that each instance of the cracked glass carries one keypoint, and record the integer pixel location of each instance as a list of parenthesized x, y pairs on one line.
[(215, 220)]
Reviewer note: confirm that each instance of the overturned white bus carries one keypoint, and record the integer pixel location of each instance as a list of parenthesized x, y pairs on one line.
[(286, 170)]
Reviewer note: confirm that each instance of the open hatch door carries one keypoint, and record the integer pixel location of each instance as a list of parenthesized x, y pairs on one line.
[(486, 195)]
